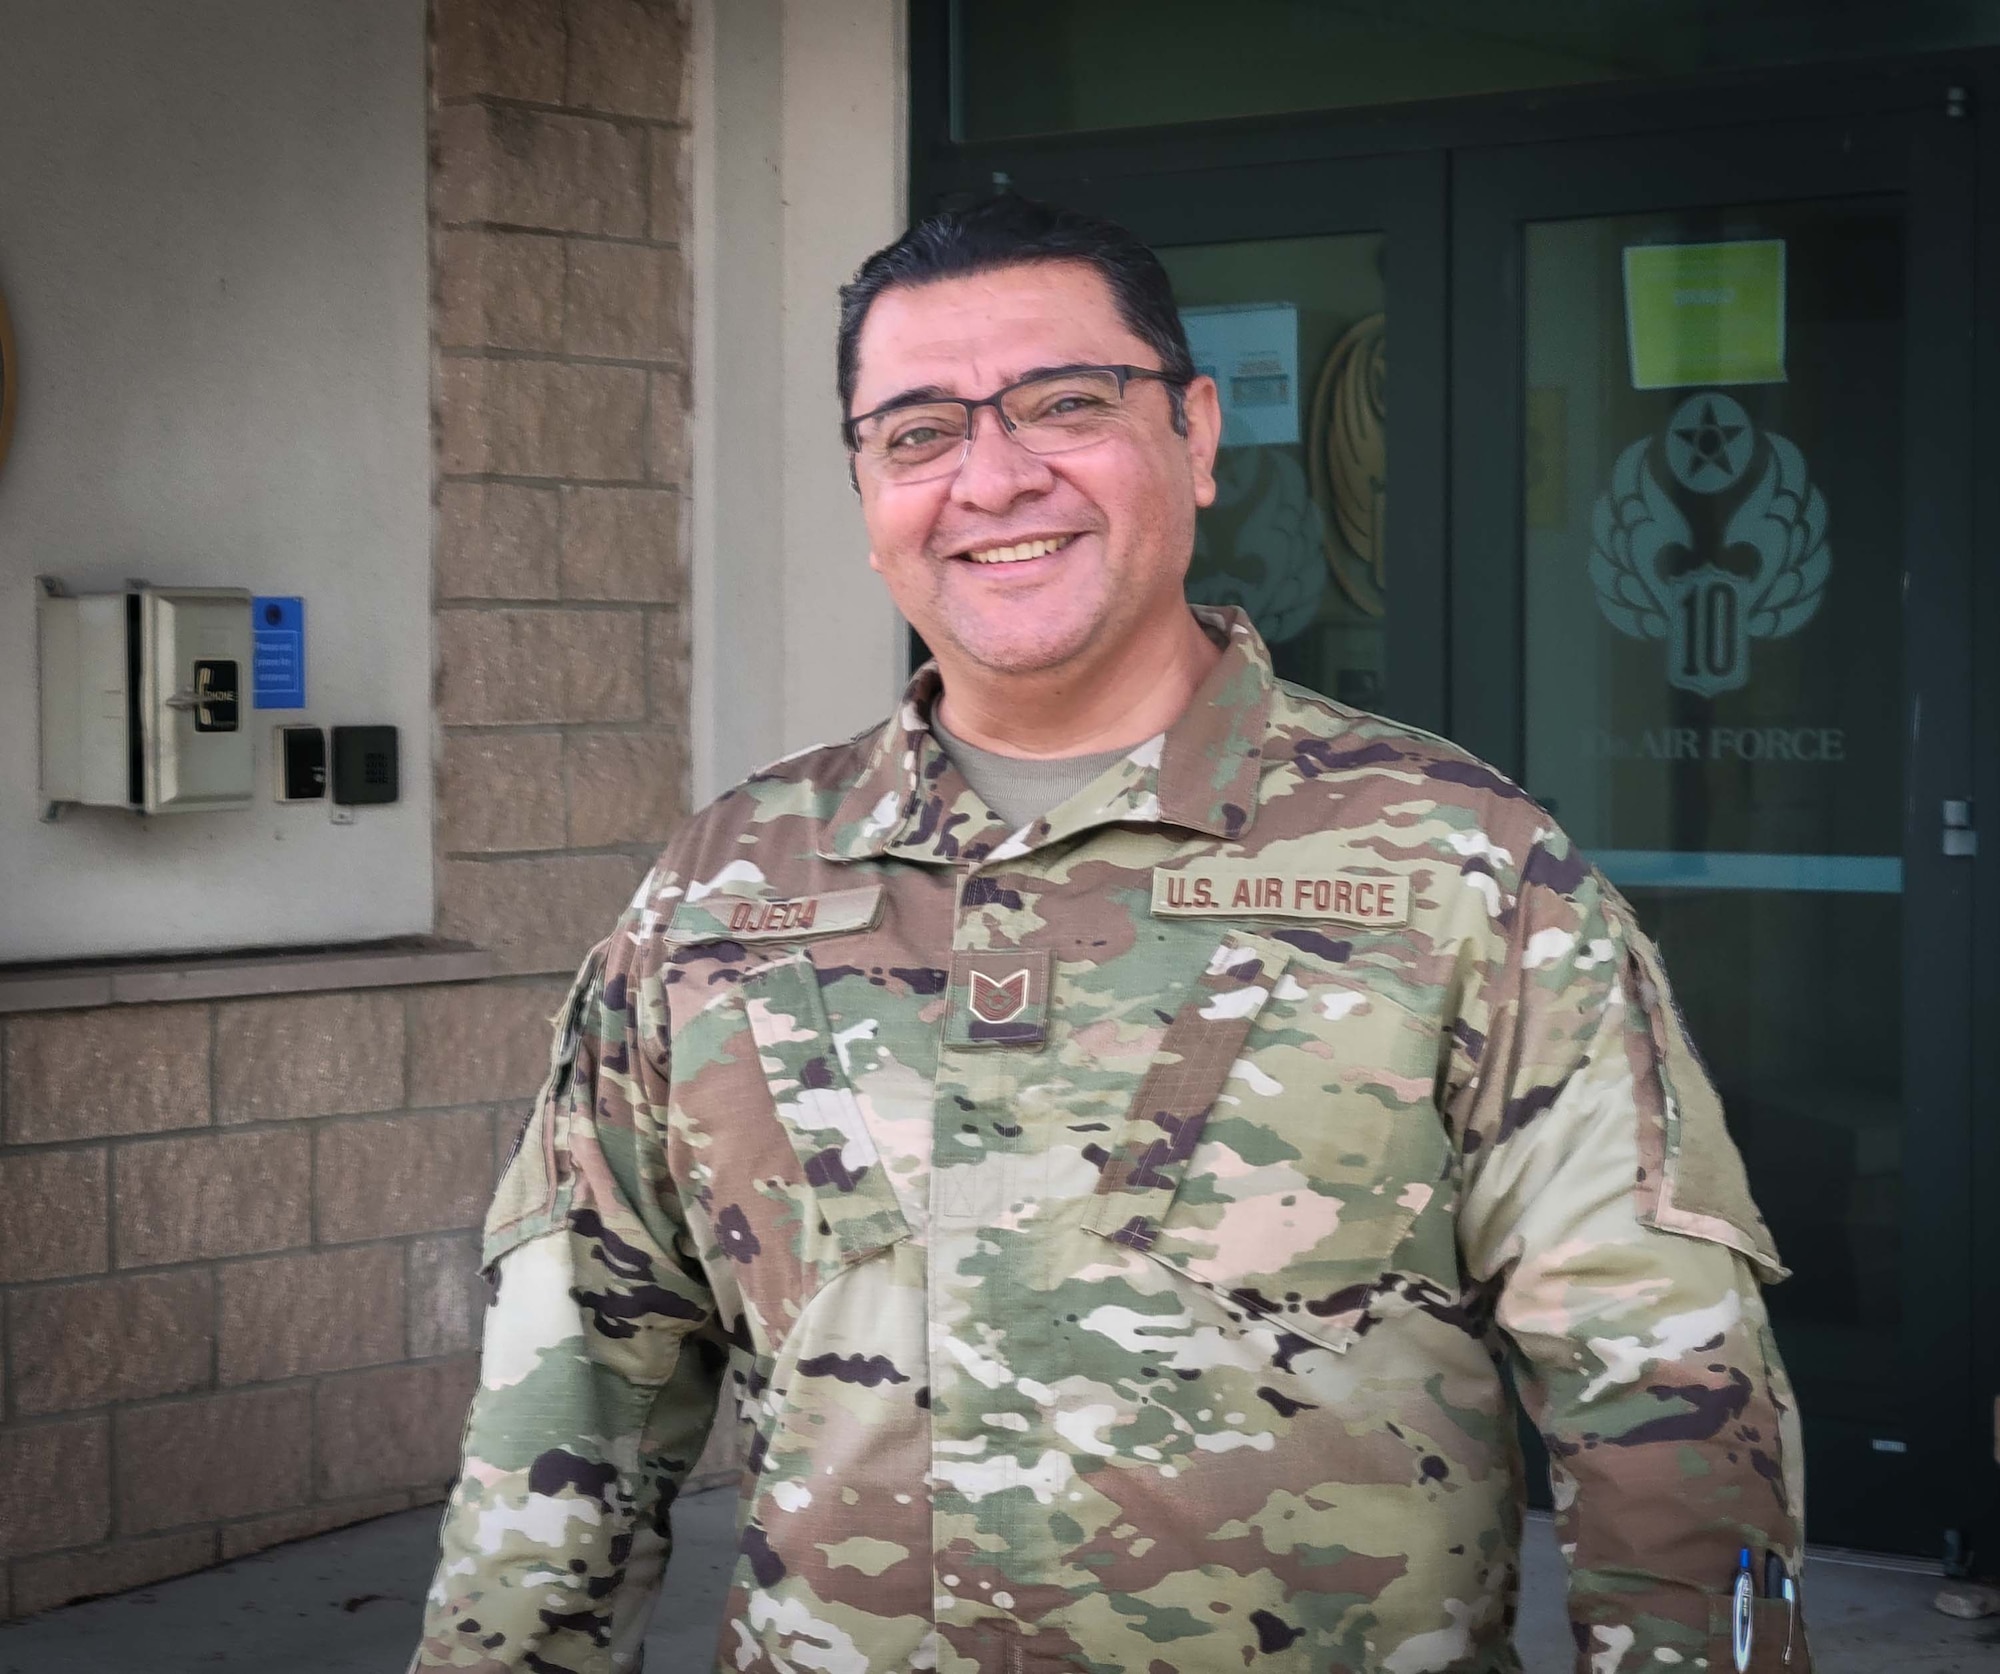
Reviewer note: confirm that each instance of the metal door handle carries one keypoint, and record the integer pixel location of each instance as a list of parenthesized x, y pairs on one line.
[(1961, 841)]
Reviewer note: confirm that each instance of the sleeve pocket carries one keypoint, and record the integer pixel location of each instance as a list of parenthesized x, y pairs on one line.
[(1692, 1179), (532, 1197)]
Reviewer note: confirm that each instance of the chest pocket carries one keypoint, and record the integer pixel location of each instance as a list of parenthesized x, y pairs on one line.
[(1284, 1149), (775, 1146)]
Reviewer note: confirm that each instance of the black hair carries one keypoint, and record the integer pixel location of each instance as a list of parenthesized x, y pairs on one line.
[(1007, 230)]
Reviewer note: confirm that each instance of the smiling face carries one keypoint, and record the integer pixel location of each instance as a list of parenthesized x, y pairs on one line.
[(1022, 565)]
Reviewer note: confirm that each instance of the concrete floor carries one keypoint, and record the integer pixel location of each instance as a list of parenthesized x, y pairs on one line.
[(348, 1603)]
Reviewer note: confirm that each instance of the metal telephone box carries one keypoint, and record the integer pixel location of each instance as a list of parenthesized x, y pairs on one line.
[(145, 700)]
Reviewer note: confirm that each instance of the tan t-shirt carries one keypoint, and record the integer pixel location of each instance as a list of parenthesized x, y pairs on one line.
[(1021, 788)]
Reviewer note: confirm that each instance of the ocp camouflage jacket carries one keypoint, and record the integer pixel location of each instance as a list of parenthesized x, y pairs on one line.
[(1113, 1236)]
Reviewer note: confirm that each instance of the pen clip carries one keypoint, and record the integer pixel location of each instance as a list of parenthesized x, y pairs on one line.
[(1742, 1612)]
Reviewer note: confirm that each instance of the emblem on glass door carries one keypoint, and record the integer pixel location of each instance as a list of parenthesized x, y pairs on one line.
[(1757, 568), (1266, 558)]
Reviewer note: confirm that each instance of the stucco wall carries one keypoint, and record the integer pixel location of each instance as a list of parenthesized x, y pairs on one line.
[(798, 149), (212, 242), (237, 1256)]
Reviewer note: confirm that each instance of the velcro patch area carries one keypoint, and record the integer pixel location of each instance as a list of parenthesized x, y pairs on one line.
[(999, 997)]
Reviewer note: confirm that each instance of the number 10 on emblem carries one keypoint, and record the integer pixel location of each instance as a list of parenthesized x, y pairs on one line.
[(1708, 597)]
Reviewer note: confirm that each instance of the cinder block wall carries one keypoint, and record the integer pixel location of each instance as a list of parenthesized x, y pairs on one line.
[(237, 1256)]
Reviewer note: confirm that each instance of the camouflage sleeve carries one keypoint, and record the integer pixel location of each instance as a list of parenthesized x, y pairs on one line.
[(1607, 1208), (599, 1372)]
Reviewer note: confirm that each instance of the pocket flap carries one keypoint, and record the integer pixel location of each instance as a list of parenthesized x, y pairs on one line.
[(1179, 1090), (818, 1109), (1285, 1152)]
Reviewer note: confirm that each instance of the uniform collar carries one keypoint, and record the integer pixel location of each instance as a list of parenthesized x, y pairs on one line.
[(909, 801)]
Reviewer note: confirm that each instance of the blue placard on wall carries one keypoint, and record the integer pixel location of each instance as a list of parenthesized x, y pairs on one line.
[(278, 660)]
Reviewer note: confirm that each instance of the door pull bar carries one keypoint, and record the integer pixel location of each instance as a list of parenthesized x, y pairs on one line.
[(1961, 841)]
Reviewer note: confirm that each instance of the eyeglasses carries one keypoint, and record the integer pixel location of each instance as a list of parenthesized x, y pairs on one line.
[(921, 438)]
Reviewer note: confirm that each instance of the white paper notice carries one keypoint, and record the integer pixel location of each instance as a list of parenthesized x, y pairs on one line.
[(1251, 350)]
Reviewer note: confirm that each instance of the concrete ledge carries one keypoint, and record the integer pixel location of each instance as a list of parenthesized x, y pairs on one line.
[(229, 976)]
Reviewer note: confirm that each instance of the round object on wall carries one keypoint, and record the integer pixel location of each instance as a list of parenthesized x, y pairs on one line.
[(9, 383)]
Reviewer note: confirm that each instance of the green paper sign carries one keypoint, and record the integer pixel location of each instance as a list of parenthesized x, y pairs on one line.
[(1706, 313)]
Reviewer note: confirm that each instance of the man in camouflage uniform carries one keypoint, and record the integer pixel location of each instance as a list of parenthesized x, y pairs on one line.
[(1113, 1224)]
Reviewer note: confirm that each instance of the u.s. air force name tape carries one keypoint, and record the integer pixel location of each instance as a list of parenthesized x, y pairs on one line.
[(1232, 889)]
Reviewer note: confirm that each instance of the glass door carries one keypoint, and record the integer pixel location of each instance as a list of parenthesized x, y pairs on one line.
[(1295, 333), (1706, 608), (1313, 292)]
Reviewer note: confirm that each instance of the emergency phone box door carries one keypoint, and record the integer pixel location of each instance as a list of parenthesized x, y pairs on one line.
[(194, 659), (144, 699)]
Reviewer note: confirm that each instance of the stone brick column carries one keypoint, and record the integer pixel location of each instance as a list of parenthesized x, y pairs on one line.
[(238, 1267), (562, 332)]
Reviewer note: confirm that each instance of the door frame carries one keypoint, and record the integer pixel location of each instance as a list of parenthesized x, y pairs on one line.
[(1402, 197), (1926, 159), (945, 169), (1983, 1399), (941, 165)]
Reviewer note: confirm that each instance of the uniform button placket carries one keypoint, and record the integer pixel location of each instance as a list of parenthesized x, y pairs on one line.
[(969, 1195)]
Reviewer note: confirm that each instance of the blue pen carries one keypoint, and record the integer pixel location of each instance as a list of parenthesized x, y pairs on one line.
[(1791, 1613), (1742, 1611)]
